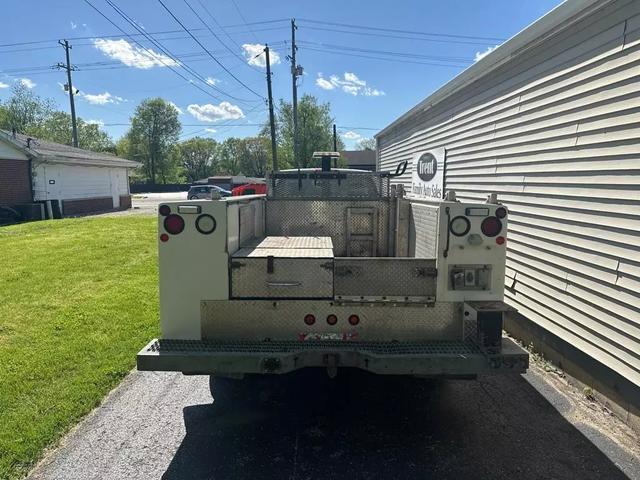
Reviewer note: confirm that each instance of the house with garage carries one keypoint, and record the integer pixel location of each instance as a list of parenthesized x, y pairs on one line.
[(40, 179), (550, 122)]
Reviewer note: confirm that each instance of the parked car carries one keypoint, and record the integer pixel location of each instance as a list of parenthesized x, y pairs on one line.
[(205, 191), (249, 189)]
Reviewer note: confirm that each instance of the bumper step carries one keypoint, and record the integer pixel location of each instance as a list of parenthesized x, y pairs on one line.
[(441, 358)]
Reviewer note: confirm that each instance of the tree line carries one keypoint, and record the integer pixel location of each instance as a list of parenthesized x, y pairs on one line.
[(154, 138)]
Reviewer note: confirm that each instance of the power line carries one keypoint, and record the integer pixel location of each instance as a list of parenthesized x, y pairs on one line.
[(412, 32), (142, 46), (35, 42), (403, 60), (167, 52), (414, 38), (221, 28), (360, 128), (386, 52), (212, 125), (244, 20), (208, 52), (110, 65)]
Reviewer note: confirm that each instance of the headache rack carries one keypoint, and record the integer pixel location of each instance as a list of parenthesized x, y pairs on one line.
[(334, 184)]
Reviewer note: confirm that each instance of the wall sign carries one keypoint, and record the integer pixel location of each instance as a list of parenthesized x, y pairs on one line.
[(427, 180)]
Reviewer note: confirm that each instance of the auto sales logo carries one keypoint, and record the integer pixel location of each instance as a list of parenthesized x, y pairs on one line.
[(427, 167), (427, 178)]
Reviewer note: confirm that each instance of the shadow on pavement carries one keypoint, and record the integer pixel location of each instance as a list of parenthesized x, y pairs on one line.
[(366, 426)]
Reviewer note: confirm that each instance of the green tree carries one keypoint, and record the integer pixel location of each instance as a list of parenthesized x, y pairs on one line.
[(154, 131), (315, 131), (32, 115), (57, 128), (255, 159), (198, 157), (366, 144), (24, 111), (230, 156)]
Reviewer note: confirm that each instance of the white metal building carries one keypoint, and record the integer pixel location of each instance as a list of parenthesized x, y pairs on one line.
[(78, 180), (550, 121)]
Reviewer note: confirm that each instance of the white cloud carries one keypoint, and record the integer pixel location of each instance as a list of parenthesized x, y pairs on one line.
[(27, 82), (349, 83), (73, 25), (98, 122), (372, 92), (213, 81), (253, 52), (351, 89), (210, 130), (323, 83), (4, 85), (178, 109), (131, 55), (101, 98), (214, 113), (350, 135), (480, 55), (353, 78)]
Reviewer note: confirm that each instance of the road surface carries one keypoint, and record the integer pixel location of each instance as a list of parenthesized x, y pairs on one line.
[(147, 203), (165, 425)]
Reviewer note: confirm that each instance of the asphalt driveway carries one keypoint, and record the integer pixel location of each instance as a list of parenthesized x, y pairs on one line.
[(164, 425)]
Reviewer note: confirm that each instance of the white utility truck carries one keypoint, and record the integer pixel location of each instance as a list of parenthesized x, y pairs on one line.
[(332, 268)]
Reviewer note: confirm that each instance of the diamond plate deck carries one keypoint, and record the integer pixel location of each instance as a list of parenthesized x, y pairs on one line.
[(380, 348), (300, 252), (291, 242)]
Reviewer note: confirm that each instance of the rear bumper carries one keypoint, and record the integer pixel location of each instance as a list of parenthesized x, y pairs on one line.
[(440, 358)]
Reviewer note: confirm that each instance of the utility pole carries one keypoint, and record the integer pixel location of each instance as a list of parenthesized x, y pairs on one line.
[(272, 123), (68, 67), (335, 139), (295, 72)]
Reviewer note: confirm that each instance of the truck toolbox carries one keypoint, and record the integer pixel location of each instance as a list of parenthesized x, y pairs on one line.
[(385, 278), (283, 267)]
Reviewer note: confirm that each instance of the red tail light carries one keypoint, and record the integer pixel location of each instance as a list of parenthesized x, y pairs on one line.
[(491, 226), (309, 319), (332, 319), (164, 237), (174, 224), (354, 319), (164, 210), (500, 240)]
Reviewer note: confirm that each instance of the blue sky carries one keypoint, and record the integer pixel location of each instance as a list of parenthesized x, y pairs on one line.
[(360, 55)]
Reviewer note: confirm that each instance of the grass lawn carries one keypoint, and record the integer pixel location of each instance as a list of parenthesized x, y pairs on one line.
[(78, 299)]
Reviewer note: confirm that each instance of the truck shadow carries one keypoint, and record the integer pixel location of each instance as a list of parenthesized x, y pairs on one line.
[(366, 426)]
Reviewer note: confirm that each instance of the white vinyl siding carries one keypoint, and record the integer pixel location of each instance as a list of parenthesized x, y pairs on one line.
[(555, 131), (74, 182)]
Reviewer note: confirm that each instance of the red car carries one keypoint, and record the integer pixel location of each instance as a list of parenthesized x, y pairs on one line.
[(249, 189)]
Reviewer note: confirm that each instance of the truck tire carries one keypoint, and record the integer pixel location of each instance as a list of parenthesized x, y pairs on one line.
[(252, 390), (227, 391)]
